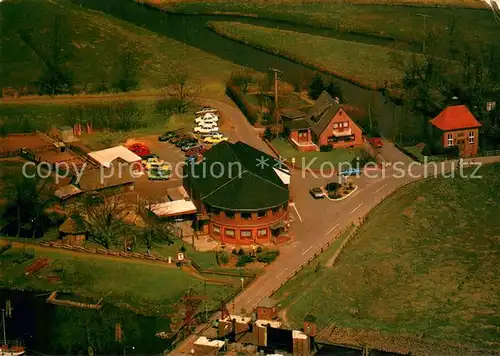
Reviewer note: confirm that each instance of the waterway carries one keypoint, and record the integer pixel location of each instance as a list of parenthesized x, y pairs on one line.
[(54, 330), (191, 30)]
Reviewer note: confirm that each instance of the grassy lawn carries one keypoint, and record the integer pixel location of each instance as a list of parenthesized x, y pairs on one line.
[(315, 159), (298, 286), (17, 118), (148, 288), (367, 65), (400, 22), (96, 40), (426, 263), (418, 153)]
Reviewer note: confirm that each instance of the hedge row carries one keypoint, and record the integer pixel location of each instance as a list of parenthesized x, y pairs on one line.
[(237, 96)]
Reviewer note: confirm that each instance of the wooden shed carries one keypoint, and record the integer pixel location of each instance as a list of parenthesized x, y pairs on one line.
[(73, 231)]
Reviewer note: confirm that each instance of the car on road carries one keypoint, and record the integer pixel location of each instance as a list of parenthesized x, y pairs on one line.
[(189, 145), (376, 142), (207, 118), (205, 129), (206, 110), (215, 139), (350, 172), (317, 193)]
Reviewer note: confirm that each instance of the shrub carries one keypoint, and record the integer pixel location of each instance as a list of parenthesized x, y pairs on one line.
[(234, 252), (241, 252), (223, 257), (316, 87), (426, 151), (326, 148), (259, 249), (243, 260), (452, 152), (267, 256), (268, 134), (237, 96), (333, 186)]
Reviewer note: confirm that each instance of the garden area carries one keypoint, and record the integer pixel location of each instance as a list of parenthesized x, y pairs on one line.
[(423, 265), (338, 191), (430, 153), (315, 160), (244, 258)]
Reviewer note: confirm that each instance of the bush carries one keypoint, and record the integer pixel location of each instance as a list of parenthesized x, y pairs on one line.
[(268, 134), (333, 187), (223, 257), (267, 256), (241, 252), (237, 96), (452, 152), (426, 151), (259, 249), (326, 148), (243, 260), (234, 252)]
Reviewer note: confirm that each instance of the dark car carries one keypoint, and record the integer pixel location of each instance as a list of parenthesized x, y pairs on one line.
[(189, 145), (196, 150), (167, 136), (317, 193), (185, 141)]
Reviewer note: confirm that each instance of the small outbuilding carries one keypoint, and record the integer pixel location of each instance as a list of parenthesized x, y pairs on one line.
[(66, 134), (73, 231)]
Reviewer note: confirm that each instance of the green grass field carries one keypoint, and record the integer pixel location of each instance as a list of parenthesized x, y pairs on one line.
[(96, 40), (400, 22), (314, 159), (15, 118), (147, 288), (426, 263), (368, 65)]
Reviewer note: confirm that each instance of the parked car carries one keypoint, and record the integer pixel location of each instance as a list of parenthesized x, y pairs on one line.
[(154, 163), (205, 129), (376, 142), (206, 110), (207, 118), (148, 157), (350, 172), (210, 134), (167, 136), (158, 174), (317, 193), (189, 145), (185, 141), (215, 139), (190, 159), (197, 150)]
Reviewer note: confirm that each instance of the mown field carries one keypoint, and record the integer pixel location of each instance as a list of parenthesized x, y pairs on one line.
[(370, 17), (95, 41), (144, 287), (425, 264), (367, 65)]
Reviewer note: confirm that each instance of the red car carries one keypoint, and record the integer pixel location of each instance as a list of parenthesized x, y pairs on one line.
[(376, 142), (195, 151), (139, 149)]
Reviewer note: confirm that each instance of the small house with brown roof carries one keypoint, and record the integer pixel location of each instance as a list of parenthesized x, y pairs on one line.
[(326, 123), (457, 126)]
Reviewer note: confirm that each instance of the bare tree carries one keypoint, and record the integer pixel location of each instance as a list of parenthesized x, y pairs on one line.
[(56, 78), (128, 66), (181, 89), (154, 228), (103, 218)]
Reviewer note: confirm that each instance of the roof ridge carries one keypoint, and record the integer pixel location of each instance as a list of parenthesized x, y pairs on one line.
[(223, 185), (267, 180)]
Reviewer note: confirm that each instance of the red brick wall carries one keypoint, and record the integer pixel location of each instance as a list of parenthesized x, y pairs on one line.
[(266, 313), (341, 117), (467, 149), (239, 224)]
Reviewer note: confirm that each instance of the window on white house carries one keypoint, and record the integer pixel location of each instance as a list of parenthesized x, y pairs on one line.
[(450, 139), (471, 137)]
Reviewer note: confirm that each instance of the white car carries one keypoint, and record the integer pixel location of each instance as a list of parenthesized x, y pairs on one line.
[(207, 118), (206, 110), (205, 129)]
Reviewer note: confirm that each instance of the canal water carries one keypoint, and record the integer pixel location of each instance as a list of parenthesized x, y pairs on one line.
[(48, 329), (191, 30)]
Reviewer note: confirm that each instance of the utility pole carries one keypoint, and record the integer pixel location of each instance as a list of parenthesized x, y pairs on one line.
[(425, 30), (276, 71), (3, 325)]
